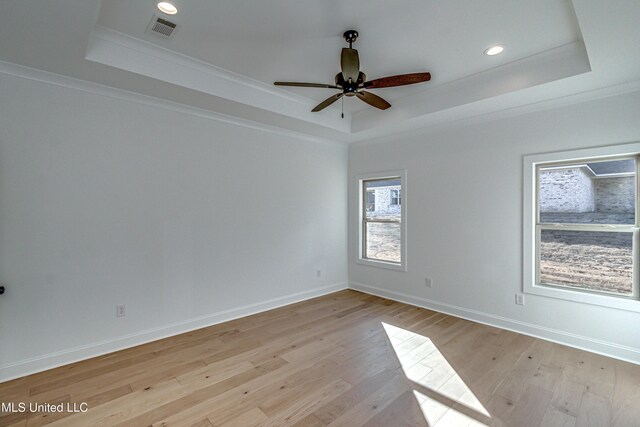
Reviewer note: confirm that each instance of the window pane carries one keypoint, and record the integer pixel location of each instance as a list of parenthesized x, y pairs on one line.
[(380, 203), (588, 193), (395, 197), (371, 201), (383, 241), (596, 261)]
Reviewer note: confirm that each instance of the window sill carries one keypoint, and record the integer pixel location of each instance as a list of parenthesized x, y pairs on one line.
[(382, 264), (586, 297)]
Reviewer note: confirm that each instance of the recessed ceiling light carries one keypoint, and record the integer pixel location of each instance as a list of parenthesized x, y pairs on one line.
[(167, 7), (494, 50)]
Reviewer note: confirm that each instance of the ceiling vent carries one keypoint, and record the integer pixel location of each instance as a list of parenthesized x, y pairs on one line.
[(161, 27)]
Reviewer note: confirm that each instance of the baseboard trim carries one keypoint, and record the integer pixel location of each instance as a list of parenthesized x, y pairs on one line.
[(72, 355), (605, 348)]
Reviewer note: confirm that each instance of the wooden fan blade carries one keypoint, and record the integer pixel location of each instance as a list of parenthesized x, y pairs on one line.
[(350, 64), (298, 84), (400, 80), (373, 100), (324, 104)]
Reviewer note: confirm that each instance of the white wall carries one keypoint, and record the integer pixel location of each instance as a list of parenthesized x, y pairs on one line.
[(464, 225), (105, 201)]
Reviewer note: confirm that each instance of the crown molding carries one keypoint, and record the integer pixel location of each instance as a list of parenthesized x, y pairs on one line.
[(507, 90), (566, 61), (504, 113), (462, 115), (115, 49), (144, 46), (47, 77)]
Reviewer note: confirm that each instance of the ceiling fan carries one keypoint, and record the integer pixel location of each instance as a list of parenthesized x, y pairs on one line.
[(352, 82)]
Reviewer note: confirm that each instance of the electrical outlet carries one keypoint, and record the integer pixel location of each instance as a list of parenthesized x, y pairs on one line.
[(121, 310), (318, 273), (428, 282), (519, 299)]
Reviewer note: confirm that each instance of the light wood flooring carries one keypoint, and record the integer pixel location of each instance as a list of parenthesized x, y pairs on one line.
[(346, 359)]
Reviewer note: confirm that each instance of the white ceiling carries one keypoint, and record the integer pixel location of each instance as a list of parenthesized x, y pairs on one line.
[(225, 55), (301, 40)]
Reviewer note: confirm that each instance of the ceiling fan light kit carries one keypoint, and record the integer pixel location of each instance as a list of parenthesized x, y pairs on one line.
[(352, 82)]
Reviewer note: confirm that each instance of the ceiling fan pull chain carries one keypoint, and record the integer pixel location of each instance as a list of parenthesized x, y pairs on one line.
[(342, 107)]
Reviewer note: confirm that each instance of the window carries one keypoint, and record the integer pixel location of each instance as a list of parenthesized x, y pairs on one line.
[(581, 226), (381, 221), (394, 195), (371, 200)]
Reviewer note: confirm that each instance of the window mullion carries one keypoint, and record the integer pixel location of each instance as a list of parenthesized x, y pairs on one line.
[(620, 228), (384, 221)]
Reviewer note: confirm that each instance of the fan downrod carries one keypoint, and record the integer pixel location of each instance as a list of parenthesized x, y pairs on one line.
[(350, 36)]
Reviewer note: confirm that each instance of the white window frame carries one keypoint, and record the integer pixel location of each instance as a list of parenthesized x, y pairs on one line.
[(360, 256), (531, 229)]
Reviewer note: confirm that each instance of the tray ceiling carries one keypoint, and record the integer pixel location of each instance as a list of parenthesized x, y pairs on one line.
[(224, 55)]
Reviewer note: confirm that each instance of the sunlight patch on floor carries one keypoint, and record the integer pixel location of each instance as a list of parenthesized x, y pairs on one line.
[(443, 396)]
